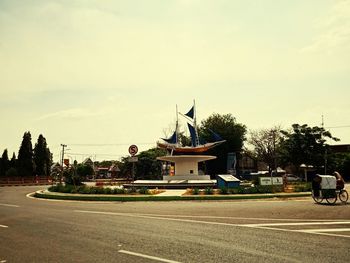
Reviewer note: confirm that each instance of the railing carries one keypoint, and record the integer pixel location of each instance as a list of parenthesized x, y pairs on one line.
[(28, 180)]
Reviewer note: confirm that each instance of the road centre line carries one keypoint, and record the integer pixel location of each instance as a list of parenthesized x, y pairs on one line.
[(147, 256), (9, 205), (3, 226)]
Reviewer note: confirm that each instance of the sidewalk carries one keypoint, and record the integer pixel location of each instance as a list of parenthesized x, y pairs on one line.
[(173, 192)]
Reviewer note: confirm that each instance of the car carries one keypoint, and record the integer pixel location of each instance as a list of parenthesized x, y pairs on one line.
[(292, 178)]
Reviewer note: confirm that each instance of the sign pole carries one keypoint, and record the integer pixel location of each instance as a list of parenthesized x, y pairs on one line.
[(133, 149)]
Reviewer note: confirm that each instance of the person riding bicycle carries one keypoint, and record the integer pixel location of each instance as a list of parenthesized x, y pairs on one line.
[(340, 180), (316, 185)]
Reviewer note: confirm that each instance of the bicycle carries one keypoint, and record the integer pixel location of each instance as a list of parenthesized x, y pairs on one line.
[(331, 196)]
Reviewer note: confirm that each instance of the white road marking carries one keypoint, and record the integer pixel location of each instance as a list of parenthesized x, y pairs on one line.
[(3, 226), (3, 261), (326, 230), (9, 205), (155, 217), (243, 218), (160, 216), (259, 226), (147, 256), (298, 224)]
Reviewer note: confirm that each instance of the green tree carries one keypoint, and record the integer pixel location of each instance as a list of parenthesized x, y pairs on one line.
[(230, 130), (72, 177), (13, 161), (339, 162), (305, 145), (147, 166), (84, 170), (25, 156), (5, 163), (42, 157)]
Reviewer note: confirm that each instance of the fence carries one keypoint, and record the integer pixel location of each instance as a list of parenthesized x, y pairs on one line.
[(28, 180)]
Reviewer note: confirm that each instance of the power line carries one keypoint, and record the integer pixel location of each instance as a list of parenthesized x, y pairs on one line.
[(96, 154), (334, 127), (108, 144)]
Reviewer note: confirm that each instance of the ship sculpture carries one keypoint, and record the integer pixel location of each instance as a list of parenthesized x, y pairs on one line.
[(197, 145)]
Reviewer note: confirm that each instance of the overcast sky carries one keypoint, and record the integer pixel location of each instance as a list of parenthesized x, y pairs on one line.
[(111, 72)]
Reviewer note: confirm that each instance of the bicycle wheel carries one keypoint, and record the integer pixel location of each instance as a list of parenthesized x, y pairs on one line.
[(343, 196), (331, 199), (318, 199)]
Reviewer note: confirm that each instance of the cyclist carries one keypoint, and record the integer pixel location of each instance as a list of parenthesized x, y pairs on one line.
[(340, 180)]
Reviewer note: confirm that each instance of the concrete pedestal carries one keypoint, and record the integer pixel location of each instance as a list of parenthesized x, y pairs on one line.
[(186, 166)]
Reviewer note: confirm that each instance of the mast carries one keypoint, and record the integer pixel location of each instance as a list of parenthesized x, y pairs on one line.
[(177, 126), (195, 121)]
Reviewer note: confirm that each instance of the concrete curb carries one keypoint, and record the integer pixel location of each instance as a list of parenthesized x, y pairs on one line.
[(44, 194)]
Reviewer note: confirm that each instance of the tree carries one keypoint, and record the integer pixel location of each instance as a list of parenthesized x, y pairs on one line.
[(266, 143), (25, 156), (305, 145), (72, 177), (13, 162), (5, 163), (231, 131), (148, 167), (84, 170), (42, 157), (339, 162)]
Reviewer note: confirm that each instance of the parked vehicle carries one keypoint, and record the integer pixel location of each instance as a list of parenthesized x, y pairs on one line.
[(292, 178)]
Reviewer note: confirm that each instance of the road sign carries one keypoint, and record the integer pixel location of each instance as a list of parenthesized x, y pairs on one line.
[(133, 149)]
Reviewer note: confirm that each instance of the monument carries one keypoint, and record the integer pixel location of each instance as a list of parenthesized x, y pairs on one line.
[(184, 160)]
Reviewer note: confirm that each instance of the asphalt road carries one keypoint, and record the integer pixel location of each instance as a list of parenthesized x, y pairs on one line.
[(294, 230)]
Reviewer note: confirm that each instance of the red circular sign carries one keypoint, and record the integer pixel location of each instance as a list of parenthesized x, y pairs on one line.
[(133, 149)]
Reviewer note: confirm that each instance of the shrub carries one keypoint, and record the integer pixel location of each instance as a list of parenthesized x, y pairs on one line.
[(208, 191), (119, 191), (100, 190), (234, 190), (131, 190), (302, 187), (195, 191), (144, 191), (108, 191), (84, 190), (223, 190)]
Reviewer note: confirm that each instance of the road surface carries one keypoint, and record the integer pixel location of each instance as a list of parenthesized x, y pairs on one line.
[(293, 230)]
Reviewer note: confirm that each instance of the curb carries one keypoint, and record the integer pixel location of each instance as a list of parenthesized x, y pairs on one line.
[(88, 197)]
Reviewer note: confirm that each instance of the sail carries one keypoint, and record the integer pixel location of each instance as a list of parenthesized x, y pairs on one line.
[(172, 139), (193, 133), (190, 113), (216, 136)]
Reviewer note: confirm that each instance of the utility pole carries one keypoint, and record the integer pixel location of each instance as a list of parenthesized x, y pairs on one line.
[(63, 146), (325, 151)]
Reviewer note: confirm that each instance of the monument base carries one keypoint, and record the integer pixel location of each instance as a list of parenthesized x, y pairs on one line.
[(186, 177), (173, 184)]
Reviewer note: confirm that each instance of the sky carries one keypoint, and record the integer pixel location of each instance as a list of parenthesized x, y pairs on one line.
[(101, 75)]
